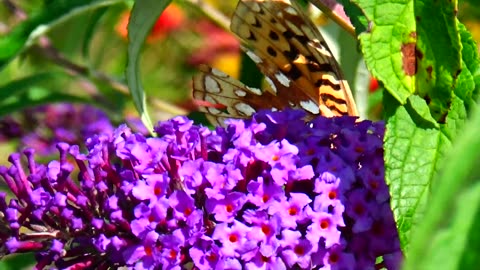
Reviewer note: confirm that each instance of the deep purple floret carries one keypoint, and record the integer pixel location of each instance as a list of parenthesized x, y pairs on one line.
[(272, 192)]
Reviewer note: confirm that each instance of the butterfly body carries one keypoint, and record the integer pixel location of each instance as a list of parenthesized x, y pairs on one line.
[(290, 51)]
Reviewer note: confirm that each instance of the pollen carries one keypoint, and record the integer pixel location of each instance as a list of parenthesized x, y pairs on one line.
[(148, 251), (173, 254), (332, 195), (299, 250), (212, 257), (233, 238), (324, 224), (333, 258), (266, 229), (187, 211)]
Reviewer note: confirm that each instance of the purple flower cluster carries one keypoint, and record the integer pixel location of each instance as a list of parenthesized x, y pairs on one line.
[(42, 127), (273, 192)]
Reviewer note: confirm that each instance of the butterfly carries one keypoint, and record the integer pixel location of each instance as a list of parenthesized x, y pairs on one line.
[(295, 59)]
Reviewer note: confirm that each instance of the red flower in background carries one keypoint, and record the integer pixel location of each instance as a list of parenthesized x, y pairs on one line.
[(216, 41), (172, 19), (373, 85)]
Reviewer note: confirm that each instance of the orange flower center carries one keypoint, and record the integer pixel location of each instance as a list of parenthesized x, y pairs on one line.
[(233, 238), (173, 254), (332, 195), (324, 224), (212, 257), (299, 250), (266, 229), (148, 251), (333, 258)]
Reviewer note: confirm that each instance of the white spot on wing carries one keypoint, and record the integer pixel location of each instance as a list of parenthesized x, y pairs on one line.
[(294, 28), (219, 73), (213, 111), (211, 85), (272, 85), (282, 79), (310, 106), (244, 109), (255, 7), (240, 92), (254, 57), (291, 10), (255, 91)]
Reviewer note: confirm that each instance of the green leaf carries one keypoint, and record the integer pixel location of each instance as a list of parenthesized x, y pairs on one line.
[(449, 235), (454, 245), (18, 261), (468, 82), (413, 50), (418, 107), (35, 100), (90, 29), (392, 27), (19, 86), (356, 15), (23, 35), (144, 15), (416, 53), (415, 148), (412, 147), (438, 53)]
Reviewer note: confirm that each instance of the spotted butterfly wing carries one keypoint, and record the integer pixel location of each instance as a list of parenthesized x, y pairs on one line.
[(294, 57)]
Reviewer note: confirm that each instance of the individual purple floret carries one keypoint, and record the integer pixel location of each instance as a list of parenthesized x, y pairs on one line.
[(273, 192)]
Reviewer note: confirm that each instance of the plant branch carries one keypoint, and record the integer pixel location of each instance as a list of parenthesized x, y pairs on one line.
[(328, 7), (216, 16), (51, 53)]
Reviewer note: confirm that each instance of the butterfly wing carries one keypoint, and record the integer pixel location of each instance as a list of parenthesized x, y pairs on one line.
[(222, 96), (290, 51)]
